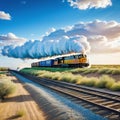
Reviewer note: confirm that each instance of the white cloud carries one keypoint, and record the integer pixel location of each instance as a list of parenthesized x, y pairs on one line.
[(112, 58), (99, 36), (11, 39), (98, 33), (48, 47), (50, 30), (85, 4), (100, 44), (5, 16)]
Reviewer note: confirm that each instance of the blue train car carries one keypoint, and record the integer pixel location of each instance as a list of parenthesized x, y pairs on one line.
[(46, 63), (41, 63)]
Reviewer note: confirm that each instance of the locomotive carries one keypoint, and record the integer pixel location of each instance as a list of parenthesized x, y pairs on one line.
[(79, 60)]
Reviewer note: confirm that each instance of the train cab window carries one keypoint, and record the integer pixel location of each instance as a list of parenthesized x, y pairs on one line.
[(80, 56), (66, 58), (60, 60), (56, 60), (76, 57), (84, 55)]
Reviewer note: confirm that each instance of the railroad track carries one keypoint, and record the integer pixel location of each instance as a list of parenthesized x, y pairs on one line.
[(104, 103)]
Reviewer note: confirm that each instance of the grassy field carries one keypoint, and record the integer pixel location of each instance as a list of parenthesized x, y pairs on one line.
[(3, 70), (69, 75), (101, 69)]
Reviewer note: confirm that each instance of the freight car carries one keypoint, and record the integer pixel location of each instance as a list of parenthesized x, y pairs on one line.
[(79, 60)]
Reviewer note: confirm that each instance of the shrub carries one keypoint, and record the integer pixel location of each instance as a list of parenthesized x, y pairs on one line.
[(105, 82), (89, 81), (115, 86), (7, 87), (56, 76), (20, 113), (66, 77), (116, 72), (102, 70), (76, 79), (84, 81), (109, 71), (3, 69)]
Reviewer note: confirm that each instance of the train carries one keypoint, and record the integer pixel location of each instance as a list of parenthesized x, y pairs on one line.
[(79, 60)]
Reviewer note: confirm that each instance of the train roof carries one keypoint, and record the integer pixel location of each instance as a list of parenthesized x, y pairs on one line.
[(59, 56)]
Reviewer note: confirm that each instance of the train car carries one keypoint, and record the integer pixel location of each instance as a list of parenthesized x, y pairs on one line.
[(35, 64), (79, 60), (47, 63)]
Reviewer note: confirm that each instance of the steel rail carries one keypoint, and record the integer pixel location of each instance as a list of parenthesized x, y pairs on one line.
[(70, 91)]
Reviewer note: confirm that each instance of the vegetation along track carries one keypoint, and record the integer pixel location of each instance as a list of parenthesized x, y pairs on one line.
[(104, 103)]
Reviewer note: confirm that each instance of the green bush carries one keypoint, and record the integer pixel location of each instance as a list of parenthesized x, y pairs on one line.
[(66, 77), (105, 82), (56, 75), (88, 81), (7, 87), (115, 86), (116, 72), (76, 79), (102, 70)]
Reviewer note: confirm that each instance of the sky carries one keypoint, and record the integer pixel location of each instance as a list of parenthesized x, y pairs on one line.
[(32, 29)]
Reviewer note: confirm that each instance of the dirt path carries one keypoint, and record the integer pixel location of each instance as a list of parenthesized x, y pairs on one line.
[(20, 101)]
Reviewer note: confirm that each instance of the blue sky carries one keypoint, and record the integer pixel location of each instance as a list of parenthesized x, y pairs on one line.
[(31, 19), (38, 16)]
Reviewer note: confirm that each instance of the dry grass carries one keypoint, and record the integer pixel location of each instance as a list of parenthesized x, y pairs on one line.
[(115, 86), (7, 87), (20, 113), (105, 82), (89, 81), (3, 69), (102, 82), (100, 69)]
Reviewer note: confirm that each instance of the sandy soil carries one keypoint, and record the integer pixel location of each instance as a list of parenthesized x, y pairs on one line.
[(21, 100)]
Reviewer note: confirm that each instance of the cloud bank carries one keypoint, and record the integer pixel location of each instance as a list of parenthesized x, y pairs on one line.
[(98, 33), (11, 39), (99, 36), (88, 4), (45, 48), (5, 16)]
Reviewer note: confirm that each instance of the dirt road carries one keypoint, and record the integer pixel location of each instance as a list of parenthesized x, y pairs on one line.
[(20, 101)]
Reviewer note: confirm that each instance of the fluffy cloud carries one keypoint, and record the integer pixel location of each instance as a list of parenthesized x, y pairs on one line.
[(100, 44), (85, 4), (11, 39), (98, 33), (49, 47), (5, 16), (99, 36)]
